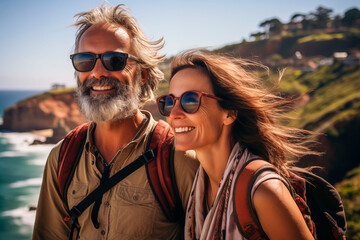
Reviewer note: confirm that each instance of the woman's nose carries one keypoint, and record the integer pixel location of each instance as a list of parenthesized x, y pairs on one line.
[(177, 111)]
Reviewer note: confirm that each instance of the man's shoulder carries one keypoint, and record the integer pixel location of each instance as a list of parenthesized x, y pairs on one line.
[(55, 151), (186, 160)]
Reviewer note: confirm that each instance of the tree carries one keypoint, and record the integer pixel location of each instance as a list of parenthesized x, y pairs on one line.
[(322, 16), (350, 17), (273, 25), (337, 21), (258, 35), (297, 16)]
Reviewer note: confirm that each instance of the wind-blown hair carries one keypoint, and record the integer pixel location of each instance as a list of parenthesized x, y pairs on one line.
[(258, 112), (143, 48)]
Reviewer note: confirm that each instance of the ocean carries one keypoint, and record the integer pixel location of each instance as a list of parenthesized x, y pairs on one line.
[(21, 168)]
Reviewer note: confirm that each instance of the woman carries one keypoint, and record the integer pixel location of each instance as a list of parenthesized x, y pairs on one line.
[(218, 108)]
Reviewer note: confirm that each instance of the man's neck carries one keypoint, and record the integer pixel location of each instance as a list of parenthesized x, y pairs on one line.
[(109, 137)]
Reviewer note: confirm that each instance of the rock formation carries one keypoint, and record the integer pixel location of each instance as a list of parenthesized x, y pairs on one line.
[(57, 110)]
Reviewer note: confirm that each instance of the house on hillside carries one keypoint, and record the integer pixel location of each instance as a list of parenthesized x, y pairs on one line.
[(58, 86), (292, 27)]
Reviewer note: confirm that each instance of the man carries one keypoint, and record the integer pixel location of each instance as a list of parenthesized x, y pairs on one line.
[(111, 90)]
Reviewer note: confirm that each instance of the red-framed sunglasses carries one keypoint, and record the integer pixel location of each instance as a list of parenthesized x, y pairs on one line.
[(189, 101)]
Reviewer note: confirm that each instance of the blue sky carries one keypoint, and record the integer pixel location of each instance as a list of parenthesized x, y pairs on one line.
[(37, 38)]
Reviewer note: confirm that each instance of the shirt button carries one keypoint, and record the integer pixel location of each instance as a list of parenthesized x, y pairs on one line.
[(135, 197), (73, 192), (102, 232), (92, 162), (107, 204)]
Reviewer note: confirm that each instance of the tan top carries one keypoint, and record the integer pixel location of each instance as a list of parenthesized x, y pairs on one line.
[(128, 211)]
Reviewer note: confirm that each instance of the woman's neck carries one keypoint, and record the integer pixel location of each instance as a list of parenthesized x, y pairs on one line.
[(213, 160)]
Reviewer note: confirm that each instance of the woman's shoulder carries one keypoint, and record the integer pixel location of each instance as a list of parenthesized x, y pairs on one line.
[(277, 210)]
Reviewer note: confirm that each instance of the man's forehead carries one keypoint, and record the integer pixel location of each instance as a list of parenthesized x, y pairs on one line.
[(115, 31)]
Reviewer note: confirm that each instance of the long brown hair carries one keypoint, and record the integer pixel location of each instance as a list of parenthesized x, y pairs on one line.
[(258, 112)]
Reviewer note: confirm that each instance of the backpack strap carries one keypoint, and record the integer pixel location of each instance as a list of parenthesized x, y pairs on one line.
[(69, 156), (161, 173), (245, 217), (106, 185)]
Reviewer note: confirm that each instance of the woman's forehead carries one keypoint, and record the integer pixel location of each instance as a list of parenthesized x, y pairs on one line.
[(190, 79)]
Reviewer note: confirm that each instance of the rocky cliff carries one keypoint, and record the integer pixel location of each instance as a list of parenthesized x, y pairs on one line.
[(57, 110)]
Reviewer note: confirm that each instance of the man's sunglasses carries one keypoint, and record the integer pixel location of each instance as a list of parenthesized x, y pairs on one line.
[(112, 61), (189, 101)]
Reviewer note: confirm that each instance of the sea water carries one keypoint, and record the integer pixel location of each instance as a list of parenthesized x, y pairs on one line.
[(21, 168)]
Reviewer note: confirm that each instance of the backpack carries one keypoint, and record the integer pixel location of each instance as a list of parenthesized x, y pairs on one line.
[(318, 201), (160, 172)]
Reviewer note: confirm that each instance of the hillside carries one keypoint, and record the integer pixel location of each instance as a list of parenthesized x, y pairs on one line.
[(332, 108), (313, 45), (349, 190)]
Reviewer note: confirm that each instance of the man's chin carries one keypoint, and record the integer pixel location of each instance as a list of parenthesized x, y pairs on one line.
[(117, 118), (100, 112)]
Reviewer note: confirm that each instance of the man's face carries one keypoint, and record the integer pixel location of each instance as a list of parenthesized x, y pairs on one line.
[(106, 95)]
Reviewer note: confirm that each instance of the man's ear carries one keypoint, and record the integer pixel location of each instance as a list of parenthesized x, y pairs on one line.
[(144, 76)]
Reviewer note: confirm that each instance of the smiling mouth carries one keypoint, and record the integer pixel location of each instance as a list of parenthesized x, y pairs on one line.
[(97, 88), (184, 129)]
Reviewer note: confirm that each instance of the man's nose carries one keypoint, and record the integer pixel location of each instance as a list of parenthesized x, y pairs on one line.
[(99, 70)]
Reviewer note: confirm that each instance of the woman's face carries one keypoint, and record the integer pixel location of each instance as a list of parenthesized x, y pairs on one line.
[(203, 128)]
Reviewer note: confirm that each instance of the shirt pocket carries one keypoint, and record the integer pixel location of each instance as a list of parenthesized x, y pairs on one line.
[(134, 212), (76, 193)]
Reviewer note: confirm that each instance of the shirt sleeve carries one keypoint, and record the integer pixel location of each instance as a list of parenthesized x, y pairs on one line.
[(186, 165), (50, 212)]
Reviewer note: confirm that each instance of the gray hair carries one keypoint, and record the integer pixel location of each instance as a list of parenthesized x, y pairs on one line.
[(143, 48)]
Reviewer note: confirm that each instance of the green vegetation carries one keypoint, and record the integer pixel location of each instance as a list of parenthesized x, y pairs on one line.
[(349, 190), (334, 95), (321, 37), (163, 88), (52, 92)]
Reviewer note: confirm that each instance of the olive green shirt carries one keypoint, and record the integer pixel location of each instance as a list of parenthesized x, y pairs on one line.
[(128, 211)]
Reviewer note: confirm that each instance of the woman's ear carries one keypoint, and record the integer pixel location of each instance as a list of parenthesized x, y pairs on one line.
[(230, 118), (144, 76)]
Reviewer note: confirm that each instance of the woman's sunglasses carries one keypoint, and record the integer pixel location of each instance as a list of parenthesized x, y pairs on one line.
[(112, 61), (189, 101)]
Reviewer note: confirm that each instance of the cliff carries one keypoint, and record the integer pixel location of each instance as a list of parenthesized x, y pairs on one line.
[(56, 109)]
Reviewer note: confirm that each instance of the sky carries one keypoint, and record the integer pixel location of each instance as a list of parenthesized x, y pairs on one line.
[(36, 37)]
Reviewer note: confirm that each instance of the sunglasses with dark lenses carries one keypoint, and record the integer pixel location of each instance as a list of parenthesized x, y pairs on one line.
[(112, 61), (190, 102)]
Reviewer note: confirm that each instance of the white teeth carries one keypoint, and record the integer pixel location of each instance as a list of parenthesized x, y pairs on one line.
[(101, 88), (184, 129)]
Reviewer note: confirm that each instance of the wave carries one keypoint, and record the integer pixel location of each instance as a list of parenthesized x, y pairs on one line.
[(21, 147), (17, 138), (38, 162), (21, 216), (12, 154), (27, 183)]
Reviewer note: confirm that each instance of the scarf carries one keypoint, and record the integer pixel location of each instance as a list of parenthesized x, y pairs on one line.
[(215, 224)]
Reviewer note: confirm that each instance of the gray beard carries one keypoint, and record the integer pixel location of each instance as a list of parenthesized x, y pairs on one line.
[(121, 104)]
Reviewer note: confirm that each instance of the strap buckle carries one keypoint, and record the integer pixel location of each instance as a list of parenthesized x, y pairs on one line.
[(75, 213), (148, 156)]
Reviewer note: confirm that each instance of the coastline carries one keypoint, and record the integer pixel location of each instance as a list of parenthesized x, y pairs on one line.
[(43, 133)]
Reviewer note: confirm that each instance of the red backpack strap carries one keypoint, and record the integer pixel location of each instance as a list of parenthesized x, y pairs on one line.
[(245, 216), (161, 172), (69, 156)]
